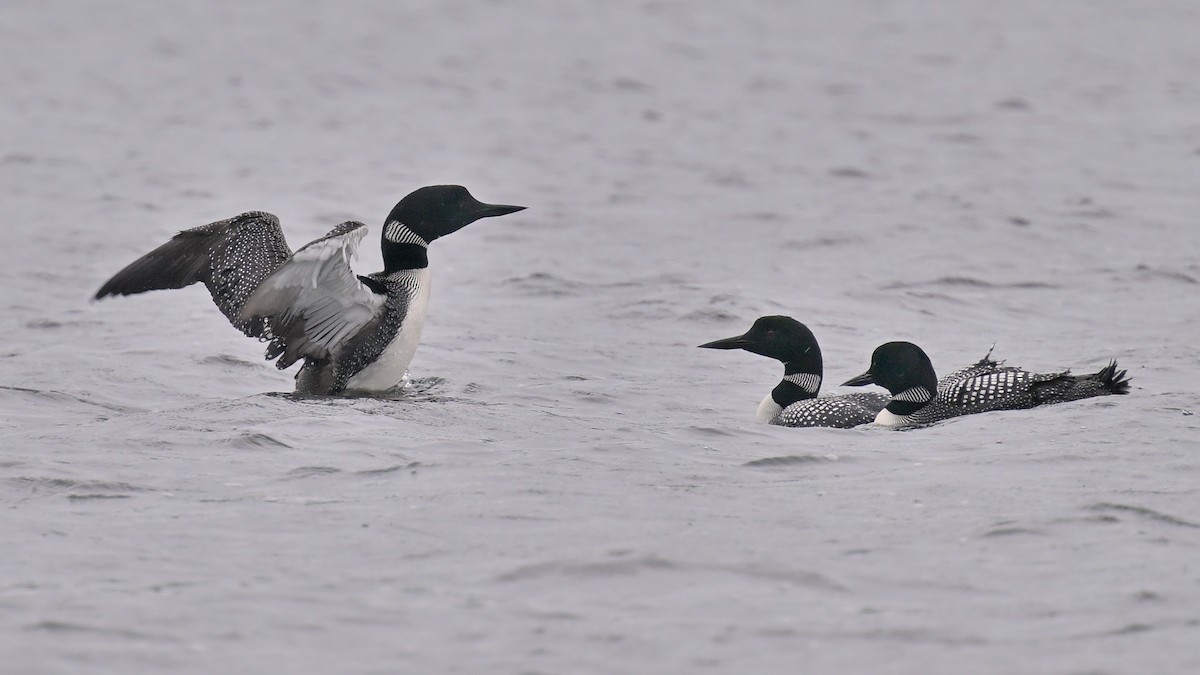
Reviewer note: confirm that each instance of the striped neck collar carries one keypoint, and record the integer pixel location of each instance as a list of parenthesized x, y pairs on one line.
[(809, 382), (916, 394), (399, 233)]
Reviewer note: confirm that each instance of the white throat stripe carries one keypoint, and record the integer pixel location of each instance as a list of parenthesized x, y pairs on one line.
[(809, 382), (399, 233), (913, 395)]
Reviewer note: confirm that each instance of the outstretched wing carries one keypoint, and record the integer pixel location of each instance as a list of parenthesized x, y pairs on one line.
[(231, 257), (313, 303)]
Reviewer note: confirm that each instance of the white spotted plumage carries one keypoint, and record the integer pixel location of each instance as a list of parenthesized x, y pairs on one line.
[(905, 369), (845, 411)]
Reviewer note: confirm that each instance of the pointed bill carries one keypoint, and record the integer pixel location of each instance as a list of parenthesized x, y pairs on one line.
[(860, 380), (738, 342)]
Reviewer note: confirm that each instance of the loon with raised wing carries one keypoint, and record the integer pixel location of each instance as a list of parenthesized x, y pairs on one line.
[(354, 333), (794, 401), (917, 398)]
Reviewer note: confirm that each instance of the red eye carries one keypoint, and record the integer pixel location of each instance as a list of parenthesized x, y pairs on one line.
[(770, 335)]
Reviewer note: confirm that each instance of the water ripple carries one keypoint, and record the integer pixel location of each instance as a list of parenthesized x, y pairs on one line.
[(1143, 512)]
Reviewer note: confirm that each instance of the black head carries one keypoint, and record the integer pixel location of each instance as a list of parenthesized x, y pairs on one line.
[(778, 337), (898, 366), (437, 210)]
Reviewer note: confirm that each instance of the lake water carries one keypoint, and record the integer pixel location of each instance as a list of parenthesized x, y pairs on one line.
[(571, 486)]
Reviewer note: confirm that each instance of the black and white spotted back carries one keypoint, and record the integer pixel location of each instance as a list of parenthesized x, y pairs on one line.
[(842, 411), (980, 367), (1009, 388)]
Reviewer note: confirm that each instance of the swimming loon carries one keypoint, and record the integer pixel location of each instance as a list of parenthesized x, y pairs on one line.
[(794, 402), (353, 332), (917, 397)]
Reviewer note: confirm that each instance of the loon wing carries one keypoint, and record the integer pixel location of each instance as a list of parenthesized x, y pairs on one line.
[(1008, 388), (314, 303), (957, 378), (231, 257)]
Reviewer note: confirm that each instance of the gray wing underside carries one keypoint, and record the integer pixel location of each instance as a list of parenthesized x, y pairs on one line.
[(313, 303), (230, 257)]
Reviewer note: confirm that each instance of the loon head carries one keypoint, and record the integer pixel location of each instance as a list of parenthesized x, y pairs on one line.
[(426, 214), (435, 211), (778, 337), (901, 368), (787, 340)]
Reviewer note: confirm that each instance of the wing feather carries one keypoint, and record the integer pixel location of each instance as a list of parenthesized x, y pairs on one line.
[(230, 257), (954, 381), (314, 303)]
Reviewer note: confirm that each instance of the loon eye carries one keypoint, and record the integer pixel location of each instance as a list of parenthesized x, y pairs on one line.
[(770, 335)]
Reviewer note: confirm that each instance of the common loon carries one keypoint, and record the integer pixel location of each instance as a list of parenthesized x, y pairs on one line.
[(794, 402), (918, 398), (353, 332)]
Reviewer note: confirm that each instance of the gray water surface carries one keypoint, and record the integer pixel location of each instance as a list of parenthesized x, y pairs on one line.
[(570, 486)]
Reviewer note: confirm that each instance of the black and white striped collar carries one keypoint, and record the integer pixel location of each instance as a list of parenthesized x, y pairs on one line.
[(916, 394), (809, 382), (399, 233)]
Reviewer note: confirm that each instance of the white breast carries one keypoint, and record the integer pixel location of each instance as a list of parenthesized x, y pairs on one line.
[(767, 410), (887, 418), (391, 368)]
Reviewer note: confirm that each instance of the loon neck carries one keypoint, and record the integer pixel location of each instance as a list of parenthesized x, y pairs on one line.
[(796, 385), (398, 257), (910, 400), (403, 249)]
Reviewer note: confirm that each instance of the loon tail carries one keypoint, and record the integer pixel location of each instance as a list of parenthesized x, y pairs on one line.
[(1115, 381), (1063, 387)]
